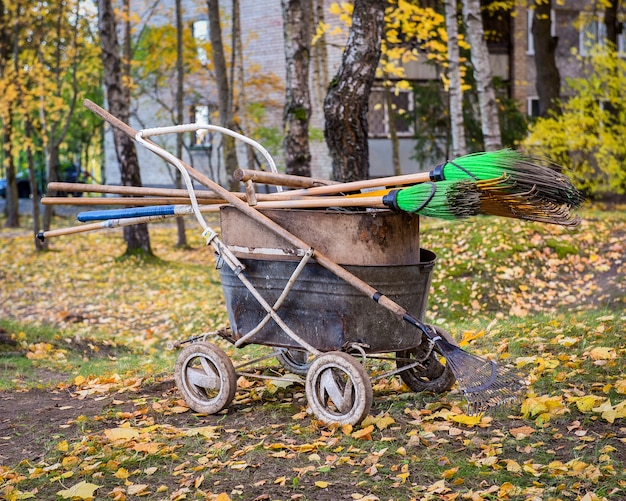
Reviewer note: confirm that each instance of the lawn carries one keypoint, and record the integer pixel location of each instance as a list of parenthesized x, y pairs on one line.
[(89, 408)]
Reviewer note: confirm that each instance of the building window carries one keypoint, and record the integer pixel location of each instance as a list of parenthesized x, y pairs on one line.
[(593, 31), (379, 114), (200, 30), (532, 106), (530, 42), (201, 114)]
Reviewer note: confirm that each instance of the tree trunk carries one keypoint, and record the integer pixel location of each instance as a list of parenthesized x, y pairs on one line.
[(180, 80), (297, 113), (548, 78), (225, 105), (12, 201), (346, 104), (118, 96), (320, 55), (32, 175), (455, 92), (52, 171), (391, 120), (487, 104), (611, 22)]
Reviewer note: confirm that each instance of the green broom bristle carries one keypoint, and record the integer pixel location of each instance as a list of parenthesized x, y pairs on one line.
[(524, 175), (443, 200)]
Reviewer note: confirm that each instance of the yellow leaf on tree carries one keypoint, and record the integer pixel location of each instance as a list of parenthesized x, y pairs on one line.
[(82, 490)]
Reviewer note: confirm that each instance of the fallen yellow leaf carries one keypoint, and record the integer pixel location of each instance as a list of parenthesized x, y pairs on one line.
[(521, 432), (321, 484), (122, 473), (602, 353), (82, 490), (147, 447), (364, 434), (121, 433), (136, 489), (586, 403), (466, 420)]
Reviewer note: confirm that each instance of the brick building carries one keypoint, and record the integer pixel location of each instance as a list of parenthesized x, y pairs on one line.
[(511, 50)]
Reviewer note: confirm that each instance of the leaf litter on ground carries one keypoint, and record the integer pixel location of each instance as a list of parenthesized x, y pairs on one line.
[(547, 300)]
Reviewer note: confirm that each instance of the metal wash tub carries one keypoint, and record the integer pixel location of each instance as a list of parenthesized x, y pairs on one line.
[(379, 247)]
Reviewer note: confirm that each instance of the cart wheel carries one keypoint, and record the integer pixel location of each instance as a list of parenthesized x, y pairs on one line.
[(205, 377), (435, 377), (338, 389), (296, 361)]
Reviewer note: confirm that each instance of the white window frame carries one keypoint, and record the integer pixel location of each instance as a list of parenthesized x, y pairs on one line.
[(595, 23), (530, 42), (530, 100)]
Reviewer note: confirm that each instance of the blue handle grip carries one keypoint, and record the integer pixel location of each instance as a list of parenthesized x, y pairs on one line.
[(99, 215)]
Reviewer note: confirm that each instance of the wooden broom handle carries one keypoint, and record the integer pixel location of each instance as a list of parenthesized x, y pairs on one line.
[(137, 191), (203, 196), (278, 179), (333, 189)]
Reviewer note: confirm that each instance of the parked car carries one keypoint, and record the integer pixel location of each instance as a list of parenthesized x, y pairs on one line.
[(23, 185)]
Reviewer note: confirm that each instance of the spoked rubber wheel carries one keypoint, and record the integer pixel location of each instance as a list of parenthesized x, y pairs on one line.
[(295, 361), (434, 376), (338, 389), (205, 377)]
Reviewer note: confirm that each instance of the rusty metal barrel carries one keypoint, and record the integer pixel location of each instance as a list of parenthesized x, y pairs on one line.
[(380, 247)]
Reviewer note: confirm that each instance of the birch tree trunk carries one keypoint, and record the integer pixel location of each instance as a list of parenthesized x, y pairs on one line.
[(487, 104), (346, 104), (118, 96), (297, 112), (455, 92), (548, 78), (225, 105)]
